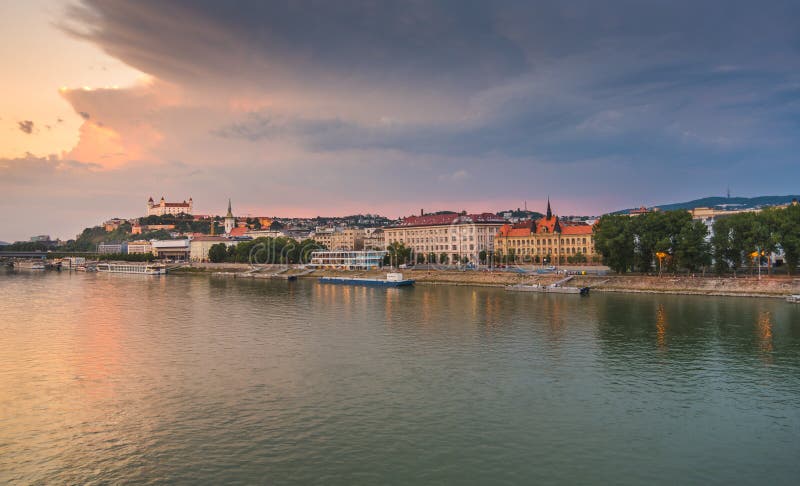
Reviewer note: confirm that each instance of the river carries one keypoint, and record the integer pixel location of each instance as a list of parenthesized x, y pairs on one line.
[(188, 379)]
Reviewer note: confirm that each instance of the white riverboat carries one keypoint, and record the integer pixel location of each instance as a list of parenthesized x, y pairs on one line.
[(793, 298), (136, 268), (29, 265)]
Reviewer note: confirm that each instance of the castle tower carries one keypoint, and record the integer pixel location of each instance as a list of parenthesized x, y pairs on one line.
[(230, 221), (549, 212)]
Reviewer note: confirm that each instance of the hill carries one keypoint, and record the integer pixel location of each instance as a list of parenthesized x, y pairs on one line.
[(721, 201)]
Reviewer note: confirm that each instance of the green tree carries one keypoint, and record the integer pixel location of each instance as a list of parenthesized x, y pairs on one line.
[(615, 242), (692, 250), (217, 253), (788, 236)]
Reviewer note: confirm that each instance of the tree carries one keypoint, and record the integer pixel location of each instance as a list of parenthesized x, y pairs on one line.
[(217, 253), (788, 236), (482, 256), (443, 258), (692, 250), (614, 241)]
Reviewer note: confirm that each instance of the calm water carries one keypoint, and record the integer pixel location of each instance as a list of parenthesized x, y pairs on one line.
[(114, 378)]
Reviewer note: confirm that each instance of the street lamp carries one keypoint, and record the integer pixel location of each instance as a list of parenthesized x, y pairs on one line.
[(661, 255)]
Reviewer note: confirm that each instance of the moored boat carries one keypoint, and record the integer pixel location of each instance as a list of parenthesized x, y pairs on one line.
[(391, 280), (29, 265), (135, 268), (550, 289), (793, 298)]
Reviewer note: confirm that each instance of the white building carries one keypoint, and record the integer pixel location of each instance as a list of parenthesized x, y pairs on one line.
[(111, 248), (164, 207), (200, 245), (177, 249), (347, 260), (139, 247), (458, 236)]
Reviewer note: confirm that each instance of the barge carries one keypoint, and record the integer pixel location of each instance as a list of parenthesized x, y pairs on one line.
[(391, 280)]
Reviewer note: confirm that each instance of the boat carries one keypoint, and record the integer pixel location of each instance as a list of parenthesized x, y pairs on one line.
[(550, 289), (793, 298), (29, 265), (391, 280), (136, 268)]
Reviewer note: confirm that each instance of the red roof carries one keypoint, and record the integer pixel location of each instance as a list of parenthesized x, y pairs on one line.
[(450, 218), (239, 231), (527, 228), (177, 205)]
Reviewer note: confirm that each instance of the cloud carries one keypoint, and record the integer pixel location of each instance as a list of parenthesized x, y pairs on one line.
[(620, 100), (26, 126)]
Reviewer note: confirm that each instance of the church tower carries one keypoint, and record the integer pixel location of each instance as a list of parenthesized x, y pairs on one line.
[(230, 221), (549, 212)]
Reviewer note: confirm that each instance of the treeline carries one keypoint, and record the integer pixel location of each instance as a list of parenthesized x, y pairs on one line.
[(265, 250), (671, 241)]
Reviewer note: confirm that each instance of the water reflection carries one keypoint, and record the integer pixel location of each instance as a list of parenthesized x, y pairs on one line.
[(661, 327), (764, 331)]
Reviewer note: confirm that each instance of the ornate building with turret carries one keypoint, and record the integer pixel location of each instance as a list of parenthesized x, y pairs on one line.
[(547, 239), (163, 207)]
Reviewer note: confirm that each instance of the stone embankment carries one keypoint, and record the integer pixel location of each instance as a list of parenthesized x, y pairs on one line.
[(750, 286)]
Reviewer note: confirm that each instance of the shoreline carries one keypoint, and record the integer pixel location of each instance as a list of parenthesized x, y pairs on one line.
[(727, 286)]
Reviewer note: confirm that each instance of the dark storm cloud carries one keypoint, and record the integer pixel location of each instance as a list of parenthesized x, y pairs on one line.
[(26, 126), (635, 85)]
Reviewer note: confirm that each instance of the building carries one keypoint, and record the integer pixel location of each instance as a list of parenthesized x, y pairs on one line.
[(113, 224), (200, 245), (347, 260), (139, 247), (163, 207), (41, 239), (458, 237), (230, 221), (640, 211), (342, 239), (138, 229), (374, 239), (174, 249), (546, 240), (324, 236), (112, 248)]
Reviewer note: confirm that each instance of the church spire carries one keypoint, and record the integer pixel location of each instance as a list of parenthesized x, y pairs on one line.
[(230, 213), (549, 212)]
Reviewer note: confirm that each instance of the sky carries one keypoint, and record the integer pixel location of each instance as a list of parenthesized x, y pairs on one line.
[(305, 108)]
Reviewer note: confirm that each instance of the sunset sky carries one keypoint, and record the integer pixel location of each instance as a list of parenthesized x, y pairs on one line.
[(304, 108)]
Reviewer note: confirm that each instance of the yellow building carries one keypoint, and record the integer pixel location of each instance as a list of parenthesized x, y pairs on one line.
[(546, 239)]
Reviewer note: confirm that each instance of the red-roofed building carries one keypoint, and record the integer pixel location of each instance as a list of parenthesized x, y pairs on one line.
[(548, 238), (455, 236), (238, 231)]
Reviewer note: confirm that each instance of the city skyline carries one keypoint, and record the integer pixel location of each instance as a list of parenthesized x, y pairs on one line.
[(301, 111)]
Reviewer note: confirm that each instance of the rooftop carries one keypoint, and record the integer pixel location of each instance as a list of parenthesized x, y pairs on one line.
[(450, 218)]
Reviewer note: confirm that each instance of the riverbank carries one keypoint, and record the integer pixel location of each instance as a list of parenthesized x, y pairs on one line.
[(776, 287)]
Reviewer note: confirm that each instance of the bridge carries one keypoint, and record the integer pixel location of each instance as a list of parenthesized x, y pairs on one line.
[(44, 254)]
